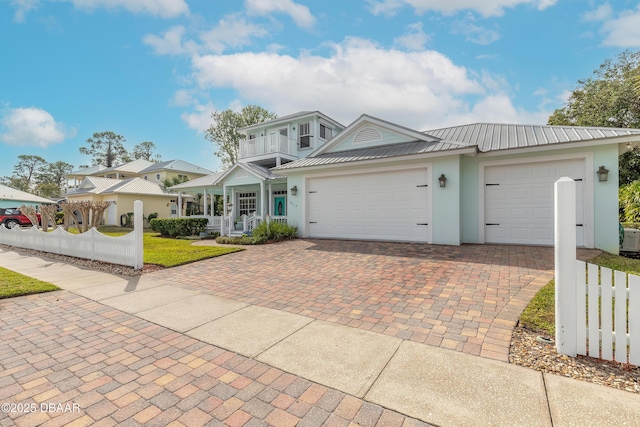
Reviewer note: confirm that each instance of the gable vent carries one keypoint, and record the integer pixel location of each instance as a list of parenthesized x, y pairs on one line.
[(368, 134)]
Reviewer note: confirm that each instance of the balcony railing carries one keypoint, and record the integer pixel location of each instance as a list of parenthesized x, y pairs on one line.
[(270, 144)]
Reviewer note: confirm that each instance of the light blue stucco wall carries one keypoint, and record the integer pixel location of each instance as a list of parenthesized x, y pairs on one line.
[(469, 200), (606, 200), (445, 202)]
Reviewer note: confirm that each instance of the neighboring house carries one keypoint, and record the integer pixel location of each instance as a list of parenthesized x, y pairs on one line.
[(12, 198), (121, 193), (155, 172), (376, 180)]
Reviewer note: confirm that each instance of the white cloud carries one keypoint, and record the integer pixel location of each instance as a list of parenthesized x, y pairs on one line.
[(300, 14), (603, 12), (448, 7), (417, 89), (159, 8), (170, 43), (22, 7), (231, 31), (474, 33), (200, 118), (413, 39), (623, 31), (31, 127)]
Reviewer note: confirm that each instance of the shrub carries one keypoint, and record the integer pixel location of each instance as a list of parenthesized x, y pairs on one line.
[(275, 231), (240, 240), (629, 199), (174, 227)]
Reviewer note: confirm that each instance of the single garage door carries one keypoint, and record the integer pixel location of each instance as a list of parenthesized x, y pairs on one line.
[(374, 206), (519, 201)]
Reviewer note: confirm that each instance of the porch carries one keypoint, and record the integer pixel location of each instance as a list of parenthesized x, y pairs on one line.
[(236, 226), (264, 149)]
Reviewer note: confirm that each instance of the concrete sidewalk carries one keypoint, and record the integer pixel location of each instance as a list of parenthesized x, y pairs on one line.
[(438, 386)]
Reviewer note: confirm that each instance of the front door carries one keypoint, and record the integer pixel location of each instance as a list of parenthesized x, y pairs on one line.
[(280, 206)]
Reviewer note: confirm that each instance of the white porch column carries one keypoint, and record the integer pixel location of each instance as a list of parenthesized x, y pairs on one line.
[(213, 203), (224, 210), (270, 198), (262, 203), (235, 207), (205, 207), (179, 205)]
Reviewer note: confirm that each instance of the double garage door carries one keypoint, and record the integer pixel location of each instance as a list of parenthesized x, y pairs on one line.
[(519, 201), (375, 206)]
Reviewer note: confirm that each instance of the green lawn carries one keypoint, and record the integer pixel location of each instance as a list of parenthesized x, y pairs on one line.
[(171, 252), (15, 284), (539, 316)]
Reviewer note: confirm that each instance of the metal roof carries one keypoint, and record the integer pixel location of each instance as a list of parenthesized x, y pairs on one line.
[(87, 171), (136, 186), (372, 153), (289, 117), (202, 182), (9, 193), (261, 171), (494, 136), (134, 166), (177, 165), (97, 185)]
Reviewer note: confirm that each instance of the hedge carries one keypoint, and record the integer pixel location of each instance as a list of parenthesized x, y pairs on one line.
[(174, 227)]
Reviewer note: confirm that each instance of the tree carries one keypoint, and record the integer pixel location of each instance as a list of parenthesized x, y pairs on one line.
[(51, 179), (144, 150), (107, 149), (26, 171), (608, 98), (224, 131)]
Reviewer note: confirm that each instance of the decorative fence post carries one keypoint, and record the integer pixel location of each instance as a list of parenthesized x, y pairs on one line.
[(138, 230), (565, 266)]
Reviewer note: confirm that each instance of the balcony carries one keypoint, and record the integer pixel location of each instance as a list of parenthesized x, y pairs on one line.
[(266, 149)]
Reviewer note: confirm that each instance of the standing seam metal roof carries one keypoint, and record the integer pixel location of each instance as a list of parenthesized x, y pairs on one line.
[(493, 136)]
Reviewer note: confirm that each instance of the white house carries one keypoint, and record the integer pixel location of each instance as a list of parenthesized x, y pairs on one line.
[(377, 180)]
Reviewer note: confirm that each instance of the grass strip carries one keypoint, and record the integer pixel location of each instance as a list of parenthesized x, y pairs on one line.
[(14, 284)]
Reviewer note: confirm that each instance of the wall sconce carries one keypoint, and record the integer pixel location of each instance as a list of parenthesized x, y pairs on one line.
[(229, 207), (603, 174), (443, 181), (294, 190)]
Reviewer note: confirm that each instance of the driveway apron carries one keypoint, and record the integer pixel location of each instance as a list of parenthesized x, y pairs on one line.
[(464, 298)]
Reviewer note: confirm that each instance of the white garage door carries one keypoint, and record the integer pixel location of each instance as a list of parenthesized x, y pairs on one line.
[(519, 201), (375, 206)]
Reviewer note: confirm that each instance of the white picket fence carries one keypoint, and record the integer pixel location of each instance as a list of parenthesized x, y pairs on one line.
[(598, 317), (605, 318), (124, 250)]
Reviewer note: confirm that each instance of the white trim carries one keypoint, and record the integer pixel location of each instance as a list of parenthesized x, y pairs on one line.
[(589, 207)]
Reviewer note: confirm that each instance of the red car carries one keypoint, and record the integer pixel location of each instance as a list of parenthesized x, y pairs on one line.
[(12, 217)]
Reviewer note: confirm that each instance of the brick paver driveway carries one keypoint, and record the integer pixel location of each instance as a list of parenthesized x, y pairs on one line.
[(465, 298)]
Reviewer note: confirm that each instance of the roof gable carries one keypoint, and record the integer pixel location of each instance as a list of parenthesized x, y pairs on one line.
[(368, 131), (176, 165), (256, 171)]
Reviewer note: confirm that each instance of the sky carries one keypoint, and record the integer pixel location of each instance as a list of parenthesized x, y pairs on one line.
[(154, 70)]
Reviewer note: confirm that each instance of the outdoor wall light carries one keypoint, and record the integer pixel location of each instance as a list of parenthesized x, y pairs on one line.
[(294, 190), (603, 174), (442, 180), (229, 207)]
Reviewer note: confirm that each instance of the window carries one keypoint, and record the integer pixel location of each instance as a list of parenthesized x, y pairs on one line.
[(325, 132), (252, 136), (246, 203), (305, 135), (284, 132)]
